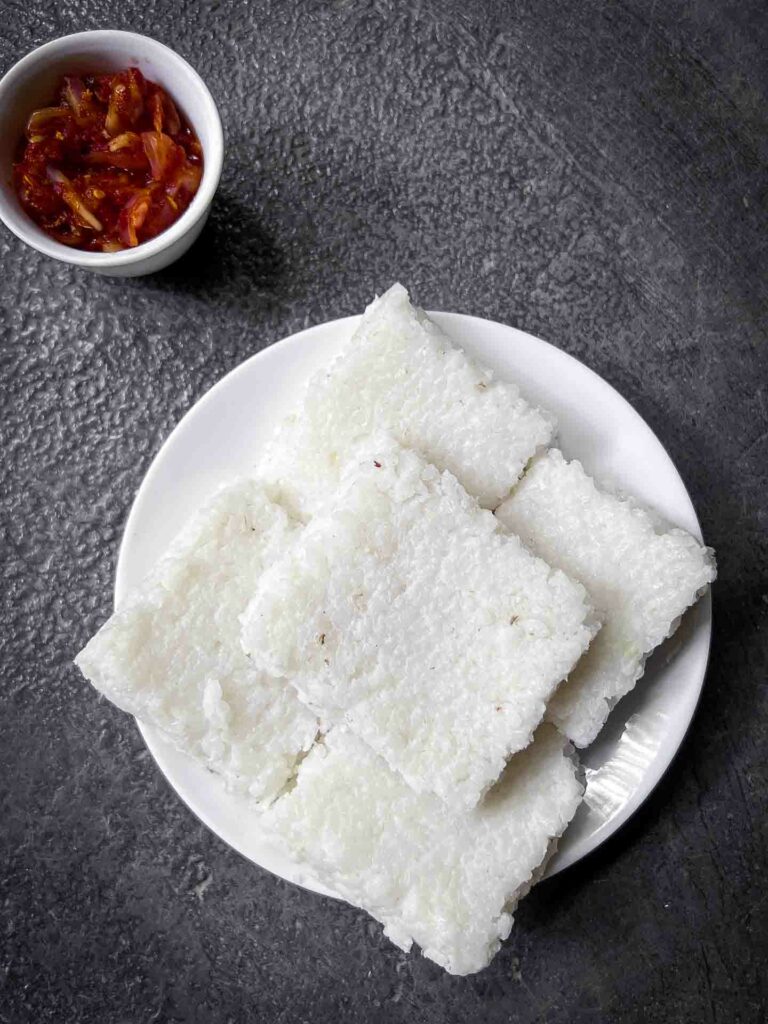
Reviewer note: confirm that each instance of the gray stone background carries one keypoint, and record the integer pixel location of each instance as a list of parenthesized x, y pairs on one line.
[(589, 171)]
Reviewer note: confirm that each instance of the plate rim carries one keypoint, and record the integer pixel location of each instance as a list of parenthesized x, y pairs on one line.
[(664, 757)]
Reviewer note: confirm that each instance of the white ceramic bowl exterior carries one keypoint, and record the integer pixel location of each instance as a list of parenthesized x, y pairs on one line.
[(31, 84), (220, 438)]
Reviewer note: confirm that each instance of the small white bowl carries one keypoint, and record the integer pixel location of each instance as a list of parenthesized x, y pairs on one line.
[(32, 83)]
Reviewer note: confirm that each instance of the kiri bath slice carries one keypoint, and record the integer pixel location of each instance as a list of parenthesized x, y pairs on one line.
[(400, 372), (641, 574), (171, 654), (405, 611), (448, 881)]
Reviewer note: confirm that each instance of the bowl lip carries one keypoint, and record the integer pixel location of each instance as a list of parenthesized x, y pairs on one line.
[(213, 155)]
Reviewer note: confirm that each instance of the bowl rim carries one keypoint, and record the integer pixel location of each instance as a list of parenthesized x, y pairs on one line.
[(213, 156)]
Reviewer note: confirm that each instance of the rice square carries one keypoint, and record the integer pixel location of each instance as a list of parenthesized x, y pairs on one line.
[(448, 881), (405, 611), (401, 373), (171, 655), (641, 574)]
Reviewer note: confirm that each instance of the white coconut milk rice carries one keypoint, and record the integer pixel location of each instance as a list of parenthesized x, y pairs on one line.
[(391, 675)]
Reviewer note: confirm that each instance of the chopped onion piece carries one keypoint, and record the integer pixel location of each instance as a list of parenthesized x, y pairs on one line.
[(126, 103), (185, 182), (73, 93), (73, 200), (132, 217), (41, 119), (165, 117), (123, 141), (163, 154)]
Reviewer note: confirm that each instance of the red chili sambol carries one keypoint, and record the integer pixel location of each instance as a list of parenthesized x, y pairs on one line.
[(110, 164)]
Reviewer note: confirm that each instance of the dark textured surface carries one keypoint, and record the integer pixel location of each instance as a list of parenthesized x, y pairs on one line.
[(592, 172)]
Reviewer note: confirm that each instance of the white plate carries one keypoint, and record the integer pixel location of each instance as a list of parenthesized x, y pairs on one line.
[(220, 438)]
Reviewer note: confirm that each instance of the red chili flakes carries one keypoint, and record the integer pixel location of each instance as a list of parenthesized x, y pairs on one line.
[(109, 165)]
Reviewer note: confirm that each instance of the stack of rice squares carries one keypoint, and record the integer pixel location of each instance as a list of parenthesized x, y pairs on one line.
[(392, 638)]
